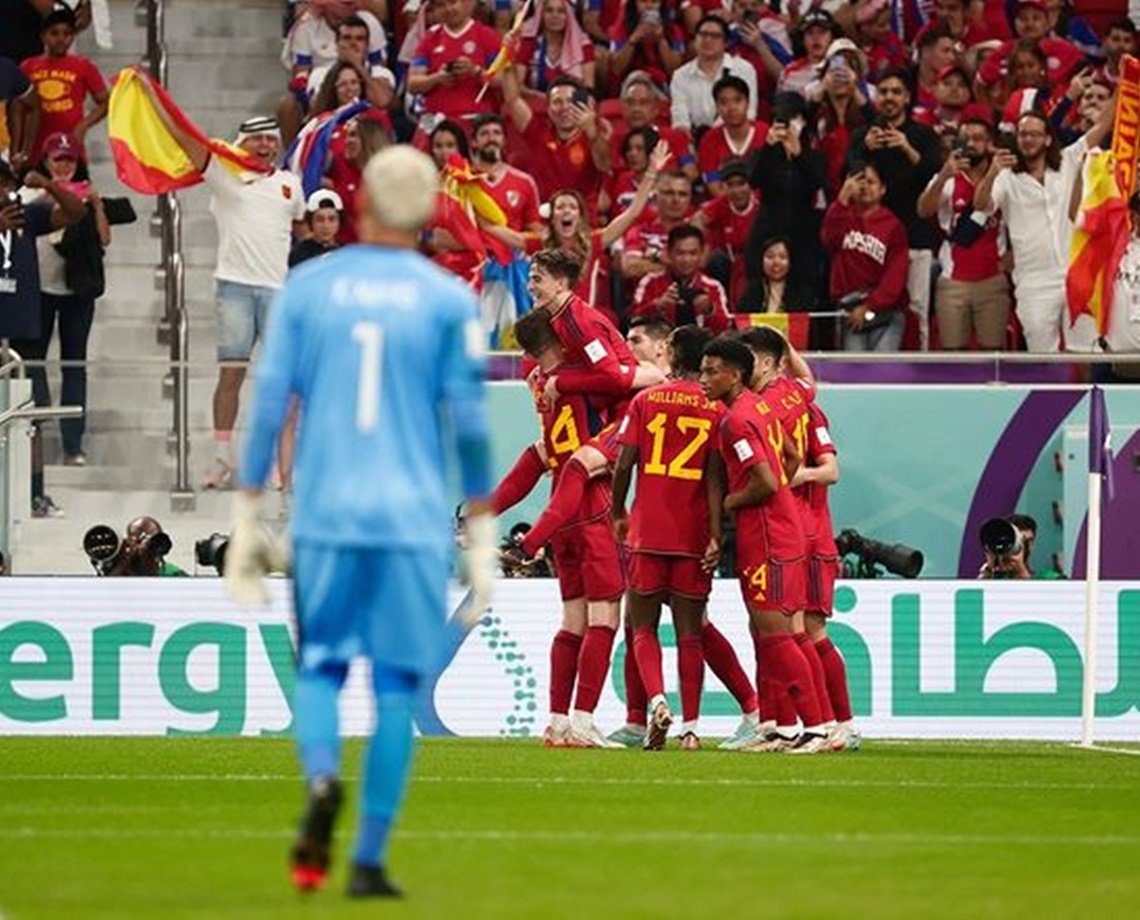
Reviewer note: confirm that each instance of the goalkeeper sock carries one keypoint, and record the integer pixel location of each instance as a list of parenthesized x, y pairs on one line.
[(835, 677), (647, 656), (725, 665), (593, 663), (386, 764), (636, 699), (317, 719), (818, 681), (786, 664), (691, 667), (563, 669), (563, 507), (519, 482)]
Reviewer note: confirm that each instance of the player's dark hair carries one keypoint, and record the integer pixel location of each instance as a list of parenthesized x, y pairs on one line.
[(534, 333), (354, 21), (559, 263), (652, 325), (765, 340), (688, 345), (728, 81), (684, 232), (732, 352)]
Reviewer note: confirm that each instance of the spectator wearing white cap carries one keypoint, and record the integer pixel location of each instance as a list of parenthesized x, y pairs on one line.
[(257, 214), (323, 213)]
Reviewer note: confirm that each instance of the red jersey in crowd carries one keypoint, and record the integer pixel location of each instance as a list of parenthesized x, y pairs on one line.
[(869, 252), (678, 141), (716, 147), (1062, 60), (557, 164), (517, 194), (673, 426), (647, 56), (654, 285), (440, 47), (885, 55), (602, 364), (63, 85), (981, 259), (726, 229), (772, 529), (540, 71), (648, 238)]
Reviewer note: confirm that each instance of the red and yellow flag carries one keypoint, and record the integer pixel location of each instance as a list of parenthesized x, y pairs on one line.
[(147, 157), (793, 326)]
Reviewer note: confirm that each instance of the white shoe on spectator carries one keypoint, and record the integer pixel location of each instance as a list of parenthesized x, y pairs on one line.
[(77, 459), (44, 507), (220, 477)]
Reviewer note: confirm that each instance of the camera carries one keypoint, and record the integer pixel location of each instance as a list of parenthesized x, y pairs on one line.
[(211, 552), (651, 18), (1000, 537), (106, 552), (514, 563), (897, 559)]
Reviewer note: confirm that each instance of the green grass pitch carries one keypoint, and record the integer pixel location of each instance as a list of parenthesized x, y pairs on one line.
[(169, 828)]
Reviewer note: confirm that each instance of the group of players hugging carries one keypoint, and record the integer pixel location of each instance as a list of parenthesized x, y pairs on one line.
[(712, 426)]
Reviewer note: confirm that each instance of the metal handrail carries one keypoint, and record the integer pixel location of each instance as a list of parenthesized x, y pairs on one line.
[(13, 364), (29, 410), (175, 316)]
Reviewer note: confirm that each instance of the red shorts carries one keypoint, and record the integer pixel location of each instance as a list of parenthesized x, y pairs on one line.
[(606, 441), (588, 562), (770, 585), (650, 573), (822, 572)]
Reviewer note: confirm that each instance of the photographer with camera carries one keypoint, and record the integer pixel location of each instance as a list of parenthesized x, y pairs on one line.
[(972, 293), (140, 554), (683, 295), (1008, 543)]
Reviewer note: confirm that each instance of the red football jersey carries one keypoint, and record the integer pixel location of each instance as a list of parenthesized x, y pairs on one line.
[(63, 84), (516, 193), (671, 425), (820, 443), (772, 529), (716, 147), (788, 400), (440, 47), (557, 164), (602, 364), (566, 424)]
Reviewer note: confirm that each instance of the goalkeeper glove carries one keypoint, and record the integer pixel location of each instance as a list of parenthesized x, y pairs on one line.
[(481, 556), (252, 553)]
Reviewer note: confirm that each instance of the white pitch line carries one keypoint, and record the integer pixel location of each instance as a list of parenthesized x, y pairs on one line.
[(540, 781), (1133, 752), (754, 838)]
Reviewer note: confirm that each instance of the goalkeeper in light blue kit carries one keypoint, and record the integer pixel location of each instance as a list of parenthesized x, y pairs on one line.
[(384, 352)]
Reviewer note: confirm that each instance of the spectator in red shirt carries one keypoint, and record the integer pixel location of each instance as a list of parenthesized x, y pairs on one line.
[(63, 82), (643, 247), (362, 138), (1031, 22), (641, 108), (1120, 40), (621, 185), (513, 190), (817, 30), (867, 246), (734, 134), (840, 107), (568, 146), (554, 45), (875, 37), (952, 95), (683, 294), (447, 68), (935, 53), (726, 221), (646, 38)]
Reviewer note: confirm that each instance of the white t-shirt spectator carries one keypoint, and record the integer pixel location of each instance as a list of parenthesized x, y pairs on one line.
[(255, 223), (692, 91), (312, 42), (1123, 332)]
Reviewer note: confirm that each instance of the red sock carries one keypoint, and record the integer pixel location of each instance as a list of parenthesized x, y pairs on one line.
[(647, 651), (519, 482), (835, 676), (725, 665), (691, 666), (593, 663), (764, 698), (563, 670), (563, 507), (636, 699), (819, 684), (786, 664)]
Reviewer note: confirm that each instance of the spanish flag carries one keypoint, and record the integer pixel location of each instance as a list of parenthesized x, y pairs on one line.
[(793, 326), (147, 157), (1099, 239)]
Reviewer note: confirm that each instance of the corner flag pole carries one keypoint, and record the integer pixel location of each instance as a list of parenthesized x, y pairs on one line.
[(1100, 465)]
